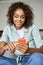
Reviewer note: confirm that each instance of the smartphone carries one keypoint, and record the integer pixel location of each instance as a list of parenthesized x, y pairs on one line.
[(21, 41)]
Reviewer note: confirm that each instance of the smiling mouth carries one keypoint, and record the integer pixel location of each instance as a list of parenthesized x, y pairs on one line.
[(18, 23)]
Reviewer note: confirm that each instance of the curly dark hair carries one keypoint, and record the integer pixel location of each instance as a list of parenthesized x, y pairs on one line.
[(27, 10)]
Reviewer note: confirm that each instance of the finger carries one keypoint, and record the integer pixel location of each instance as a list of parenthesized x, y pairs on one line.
[(22, 46), (21, 50), (5, 48), (12, 45), (10, 48), (25, 45)]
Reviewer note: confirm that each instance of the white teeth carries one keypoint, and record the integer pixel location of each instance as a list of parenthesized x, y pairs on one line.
[(18, 23)]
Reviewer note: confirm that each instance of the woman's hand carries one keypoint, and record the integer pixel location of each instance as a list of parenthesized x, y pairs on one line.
[(10, 47), (22, 47), (2, 51), (2, 44)]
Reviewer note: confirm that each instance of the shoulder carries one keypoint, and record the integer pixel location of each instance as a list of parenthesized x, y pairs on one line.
[(9, 27), (6, 27), (33, 27)]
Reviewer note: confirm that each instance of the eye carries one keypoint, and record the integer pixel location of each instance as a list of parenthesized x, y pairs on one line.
[(16, 16), (23, 17)]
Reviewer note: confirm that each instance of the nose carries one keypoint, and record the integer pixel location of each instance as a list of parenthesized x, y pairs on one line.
[(19, 18)]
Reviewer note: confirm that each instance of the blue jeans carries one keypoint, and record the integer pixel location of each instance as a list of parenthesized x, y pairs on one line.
[(33, 59)]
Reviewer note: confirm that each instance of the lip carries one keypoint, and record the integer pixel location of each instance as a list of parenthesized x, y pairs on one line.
[(18, 23)]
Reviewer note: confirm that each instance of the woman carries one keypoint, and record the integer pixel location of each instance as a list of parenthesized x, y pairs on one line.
[(20, 26)]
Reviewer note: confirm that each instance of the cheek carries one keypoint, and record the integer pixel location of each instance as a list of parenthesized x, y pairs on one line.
[(23, 20), (14, 19)]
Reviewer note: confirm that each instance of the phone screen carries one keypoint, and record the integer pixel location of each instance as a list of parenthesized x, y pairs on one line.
[(22, 41)]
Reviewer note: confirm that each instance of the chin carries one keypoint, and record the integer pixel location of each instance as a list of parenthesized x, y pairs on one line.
[(19, 26)]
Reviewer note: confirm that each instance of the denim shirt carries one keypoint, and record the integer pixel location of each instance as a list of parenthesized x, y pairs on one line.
[(31, 35)]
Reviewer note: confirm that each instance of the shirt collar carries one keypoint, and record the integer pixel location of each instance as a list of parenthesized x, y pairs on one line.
[(14, 29)]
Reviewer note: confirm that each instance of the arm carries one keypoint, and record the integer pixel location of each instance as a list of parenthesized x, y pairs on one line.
[(34, 50), (25, 49), (37, 41), (3, 41)]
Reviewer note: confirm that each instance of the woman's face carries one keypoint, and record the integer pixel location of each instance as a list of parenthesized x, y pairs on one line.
[(18, 18)]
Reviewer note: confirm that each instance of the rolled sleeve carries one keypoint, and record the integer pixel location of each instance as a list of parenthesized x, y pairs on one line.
[(37, 37), (4, 35)]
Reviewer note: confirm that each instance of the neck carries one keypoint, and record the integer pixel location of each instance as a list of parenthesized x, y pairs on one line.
[(18, 28)]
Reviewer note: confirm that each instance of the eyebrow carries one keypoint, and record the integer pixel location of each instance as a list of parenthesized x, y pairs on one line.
[(21, 15)]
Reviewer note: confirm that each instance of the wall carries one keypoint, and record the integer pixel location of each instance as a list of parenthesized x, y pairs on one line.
[(35, 4)]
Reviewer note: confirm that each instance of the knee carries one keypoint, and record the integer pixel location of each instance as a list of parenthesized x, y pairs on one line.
[(37, 56), (36, 59)]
